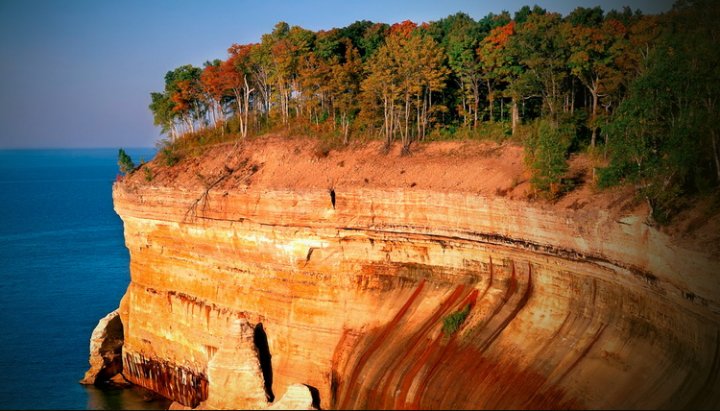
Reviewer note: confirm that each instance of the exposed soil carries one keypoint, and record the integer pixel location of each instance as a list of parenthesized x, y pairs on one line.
[(479, 167)]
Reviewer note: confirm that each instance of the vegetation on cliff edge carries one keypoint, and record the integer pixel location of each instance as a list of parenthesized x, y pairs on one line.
[(638, 93)]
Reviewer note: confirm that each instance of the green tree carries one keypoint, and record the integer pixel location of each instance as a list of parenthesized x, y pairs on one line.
[(593, 60), (161, 107), (540, 44), (546, 154), (125, 163), (182, 85), (459, 34), (665, 133)]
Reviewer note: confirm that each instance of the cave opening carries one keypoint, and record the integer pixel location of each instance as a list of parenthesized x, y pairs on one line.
[(332, 197), (111, 352), (263, 349)]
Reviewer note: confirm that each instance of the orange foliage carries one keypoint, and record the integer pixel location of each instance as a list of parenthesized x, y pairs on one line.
[(403, 29), (214, 82), (499, 36)]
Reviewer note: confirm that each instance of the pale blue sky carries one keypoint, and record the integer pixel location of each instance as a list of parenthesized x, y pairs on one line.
[(79, 73)]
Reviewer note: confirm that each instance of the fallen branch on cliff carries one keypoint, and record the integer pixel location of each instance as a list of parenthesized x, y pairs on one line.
[(227, 172)]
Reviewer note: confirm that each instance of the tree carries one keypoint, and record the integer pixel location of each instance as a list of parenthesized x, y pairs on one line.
[(345, 87), (162, 108), (665, 133), (459, 34), (125, 162), (183, 87), (236, 73), (315, 76), (587, 17), (497, 65), (214, 88), (545, 153), (365, 36), (593, 60), (404, 73), (540, 44), (285, 46)]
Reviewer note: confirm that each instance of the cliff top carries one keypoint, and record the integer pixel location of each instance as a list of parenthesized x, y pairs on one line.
[(477, 167)]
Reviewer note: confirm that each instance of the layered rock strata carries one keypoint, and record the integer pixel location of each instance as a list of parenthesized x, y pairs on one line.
[(570, 308)]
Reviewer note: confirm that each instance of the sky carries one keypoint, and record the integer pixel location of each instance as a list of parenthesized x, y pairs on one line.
[(78, 73)]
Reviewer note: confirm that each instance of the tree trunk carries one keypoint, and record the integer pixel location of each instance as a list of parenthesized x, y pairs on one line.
[(716, 156), (417, 115), (593, 117), (345, 127), (515, 116), (387, 121), (244, 124), (407, 120), (491, 100)]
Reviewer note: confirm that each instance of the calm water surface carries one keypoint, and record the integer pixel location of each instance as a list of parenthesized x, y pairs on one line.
[(63, 266)]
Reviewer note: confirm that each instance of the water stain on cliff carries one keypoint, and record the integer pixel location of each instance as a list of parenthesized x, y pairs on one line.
[(182, 384)]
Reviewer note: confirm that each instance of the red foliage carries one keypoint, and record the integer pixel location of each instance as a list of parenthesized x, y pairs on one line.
[(615, 27), (499, 36), (403, 29), (214, 82)]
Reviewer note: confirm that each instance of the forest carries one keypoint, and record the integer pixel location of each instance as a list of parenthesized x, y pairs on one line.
[(636, 93)]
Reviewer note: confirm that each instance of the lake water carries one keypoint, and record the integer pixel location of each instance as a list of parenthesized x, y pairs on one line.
[(63, 266)]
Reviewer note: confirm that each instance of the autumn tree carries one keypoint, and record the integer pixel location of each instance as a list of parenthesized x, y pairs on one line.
[(285, 45), (214, 88), (498, 65), (402, 75), (237, 72), (314, 78), (345, 87), (183, 88)]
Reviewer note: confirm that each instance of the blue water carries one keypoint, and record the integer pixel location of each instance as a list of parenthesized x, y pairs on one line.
[(63, 266)]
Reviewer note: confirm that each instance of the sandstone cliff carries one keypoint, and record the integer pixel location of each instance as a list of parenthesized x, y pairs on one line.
[(260, 267)]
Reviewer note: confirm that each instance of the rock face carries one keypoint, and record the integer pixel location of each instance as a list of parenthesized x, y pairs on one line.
[(255, 289), (105, 350), (236, 364)]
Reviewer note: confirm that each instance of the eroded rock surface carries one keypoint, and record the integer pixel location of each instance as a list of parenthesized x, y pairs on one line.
[(574, 307), (105, 350)]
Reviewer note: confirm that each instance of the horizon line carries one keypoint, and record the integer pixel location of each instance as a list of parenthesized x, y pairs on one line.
[(76, 148)]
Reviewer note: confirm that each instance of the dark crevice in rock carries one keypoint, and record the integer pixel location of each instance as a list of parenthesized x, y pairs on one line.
[(315, 394), (263, 349)]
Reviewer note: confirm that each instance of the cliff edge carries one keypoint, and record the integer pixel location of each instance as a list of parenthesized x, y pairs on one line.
[(376, 280)]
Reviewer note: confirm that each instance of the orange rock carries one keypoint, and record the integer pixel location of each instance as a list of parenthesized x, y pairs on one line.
[(105, 350), (575, 307)]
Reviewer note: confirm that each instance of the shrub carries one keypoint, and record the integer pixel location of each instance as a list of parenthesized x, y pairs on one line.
[(452, 322), (148, 173), (545, 153), (170, 157)]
